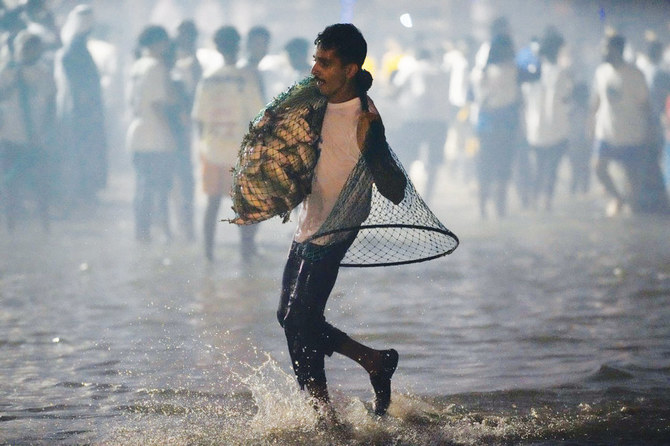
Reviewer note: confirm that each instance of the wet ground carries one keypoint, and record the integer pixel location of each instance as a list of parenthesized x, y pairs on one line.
[(540, 329)]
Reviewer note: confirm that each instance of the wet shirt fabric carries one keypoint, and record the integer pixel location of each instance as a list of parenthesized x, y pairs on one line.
[(339, 153)]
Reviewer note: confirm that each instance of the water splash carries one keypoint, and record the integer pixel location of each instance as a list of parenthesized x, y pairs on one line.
[(280, 403)]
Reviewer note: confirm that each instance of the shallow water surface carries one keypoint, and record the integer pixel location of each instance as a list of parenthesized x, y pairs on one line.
[(539, 329)]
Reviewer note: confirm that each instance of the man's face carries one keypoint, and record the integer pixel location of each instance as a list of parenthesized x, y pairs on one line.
[(334, 80)]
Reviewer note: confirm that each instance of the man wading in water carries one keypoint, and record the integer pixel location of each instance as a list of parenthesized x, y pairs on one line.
[(306, 285)]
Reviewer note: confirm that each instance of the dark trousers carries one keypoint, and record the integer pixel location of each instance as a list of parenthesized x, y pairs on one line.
[(497, 131), (184, 176), (306, 286), (152, 189), (547, 160)]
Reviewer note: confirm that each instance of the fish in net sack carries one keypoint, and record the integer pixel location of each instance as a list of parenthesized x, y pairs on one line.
[(381, 214), (277, 156), (378, 211)]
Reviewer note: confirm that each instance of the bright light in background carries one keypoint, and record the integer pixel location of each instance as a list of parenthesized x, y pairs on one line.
[(406, 20)]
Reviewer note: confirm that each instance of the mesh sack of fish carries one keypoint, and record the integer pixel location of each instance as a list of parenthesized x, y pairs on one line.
[(278, 154)]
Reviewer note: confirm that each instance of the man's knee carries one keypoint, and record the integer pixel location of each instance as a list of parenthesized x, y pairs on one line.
[(292, 319)]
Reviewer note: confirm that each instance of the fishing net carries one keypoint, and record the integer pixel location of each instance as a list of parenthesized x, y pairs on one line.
[(397, 226), (378, 210)]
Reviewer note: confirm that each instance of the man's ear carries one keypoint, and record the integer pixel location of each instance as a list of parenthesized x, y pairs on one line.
[(351, 70)]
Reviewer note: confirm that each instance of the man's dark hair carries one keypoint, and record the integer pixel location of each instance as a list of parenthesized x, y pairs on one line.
[(347, 41), (227, 39), (617, 43), (152, 34), (502, 49), (297, 45), (259, 31), (188, 28), (550, 45)]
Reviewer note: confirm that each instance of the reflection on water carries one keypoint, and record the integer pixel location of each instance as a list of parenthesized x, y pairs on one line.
[(538, 330)]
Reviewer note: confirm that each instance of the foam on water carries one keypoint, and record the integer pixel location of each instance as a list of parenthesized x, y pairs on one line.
[(266, 407)]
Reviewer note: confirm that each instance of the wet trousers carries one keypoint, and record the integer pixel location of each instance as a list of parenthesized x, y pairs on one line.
[(306, 286)]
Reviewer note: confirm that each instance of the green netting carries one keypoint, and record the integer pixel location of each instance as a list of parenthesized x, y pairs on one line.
[(378, 207)]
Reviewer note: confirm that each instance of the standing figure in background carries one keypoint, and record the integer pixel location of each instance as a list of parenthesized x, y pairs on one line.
[(288, 67), (187, 66), (27, 109), (80, 111), (624, 131), (548, 105), (186, 73), (658, 80), (257, 46), (42, 22), (459, 144), (11, 23), (497, 98), (150, 138), (225, 101), (423, 94), (297, 50)]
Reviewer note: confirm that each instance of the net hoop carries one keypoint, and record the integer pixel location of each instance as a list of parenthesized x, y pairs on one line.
[(360, 229)]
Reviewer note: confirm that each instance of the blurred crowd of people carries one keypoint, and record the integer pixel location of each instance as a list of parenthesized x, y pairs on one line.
[(502, 117), (484, 113), (185, 111)]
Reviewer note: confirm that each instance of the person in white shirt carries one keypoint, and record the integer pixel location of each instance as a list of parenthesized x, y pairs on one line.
[(225, 101), (423, 89), (548, 105), (620, 121), (186, 73), (306, 284), (497, 98), (149, 136), (257, 46)]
